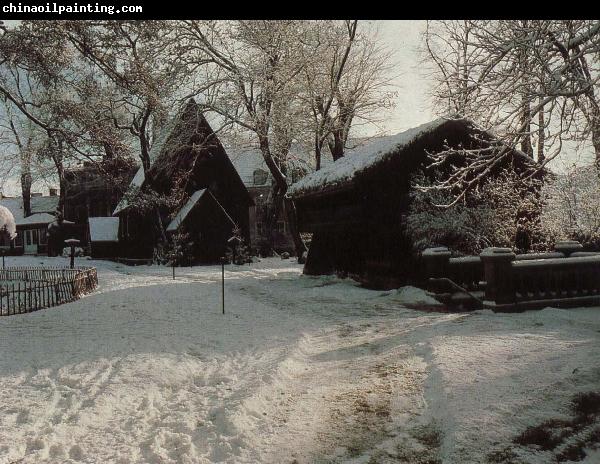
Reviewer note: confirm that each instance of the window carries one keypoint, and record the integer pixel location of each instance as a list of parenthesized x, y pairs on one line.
[(259, 228), (281, 227), (260, 177)]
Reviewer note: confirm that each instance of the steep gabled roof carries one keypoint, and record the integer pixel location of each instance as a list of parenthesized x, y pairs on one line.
[(182, 145), (358, 162), (138, 180), (248, 160), (44, 204)]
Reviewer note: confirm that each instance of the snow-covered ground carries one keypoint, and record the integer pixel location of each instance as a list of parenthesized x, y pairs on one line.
[(298, 370)]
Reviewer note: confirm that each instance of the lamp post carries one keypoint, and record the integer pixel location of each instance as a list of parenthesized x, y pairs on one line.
[(72, 242)]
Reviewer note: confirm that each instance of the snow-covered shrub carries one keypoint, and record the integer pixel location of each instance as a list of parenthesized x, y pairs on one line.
[(572, 207), (7, 223), (179, 251), (500, 212)]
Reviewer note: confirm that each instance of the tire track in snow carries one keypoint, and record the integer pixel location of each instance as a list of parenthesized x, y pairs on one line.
[(344, 392)]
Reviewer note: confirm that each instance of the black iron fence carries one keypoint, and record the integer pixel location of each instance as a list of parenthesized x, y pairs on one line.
[(27, 289)]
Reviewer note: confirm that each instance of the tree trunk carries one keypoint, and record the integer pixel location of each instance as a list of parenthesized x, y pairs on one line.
[(273, 211), (526, 146), (299, 245), (318, 148), (109, 152), (279, 190), (161, 227), (57, 157), (593, 114), (595, 130), (342, 128), (541, 136), (26, 188), (337, 145), (62, 188)]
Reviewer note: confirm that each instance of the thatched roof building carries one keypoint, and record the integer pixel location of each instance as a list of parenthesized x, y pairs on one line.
[(354, 206)]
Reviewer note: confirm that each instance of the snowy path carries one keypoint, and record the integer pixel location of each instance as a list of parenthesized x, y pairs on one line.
[(298, 370)]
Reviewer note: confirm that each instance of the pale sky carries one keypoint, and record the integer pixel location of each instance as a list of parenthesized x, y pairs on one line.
[(412, 104)]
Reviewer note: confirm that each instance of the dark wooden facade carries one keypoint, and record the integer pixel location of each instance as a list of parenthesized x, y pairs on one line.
[(186, 158), (357, 222), (206, 224), (93, 190)]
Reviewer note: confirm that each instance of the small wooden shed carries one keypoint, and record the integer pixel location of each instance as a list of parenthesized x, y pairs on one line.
[(104, 237)]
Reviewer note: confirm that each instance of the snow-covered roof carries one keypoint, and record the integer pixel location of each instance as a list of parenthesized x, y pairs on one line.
[(104, 229), (250, 159), (39, 205), (187, 208), (44, 204), (378, 150), (134, 186), (361, 159), (37, 218), (246, 162)]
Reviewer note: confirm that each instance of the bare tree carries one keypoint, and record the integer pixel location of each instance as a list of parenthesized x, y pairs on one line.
[(347, 79), (255, 67), (518, 71), (24, 138)]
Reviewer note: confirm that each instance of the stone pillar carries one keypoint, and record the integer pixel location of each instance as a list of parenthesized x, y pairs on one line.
[(568, 247), (435, 262), (498, 275)]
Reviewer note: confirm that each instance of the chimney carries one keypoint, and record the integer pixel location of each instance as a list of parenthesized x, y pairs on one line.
[(53, 192)]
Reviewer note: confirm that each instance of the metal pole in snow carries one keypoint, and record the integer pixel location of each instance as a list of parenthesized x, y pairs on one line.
[(223, 283), (173, 266)]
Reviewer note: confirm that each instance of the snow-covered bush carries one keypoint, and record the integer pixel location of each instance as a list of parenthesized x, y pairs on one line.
[(500, 212), (7, 223), (179, 251), (572, 207)]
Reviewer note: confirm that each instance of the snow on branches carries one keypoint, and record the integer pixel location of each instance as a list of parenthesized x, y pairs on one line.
[(572, 207), (7, 223), (501, 211)]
